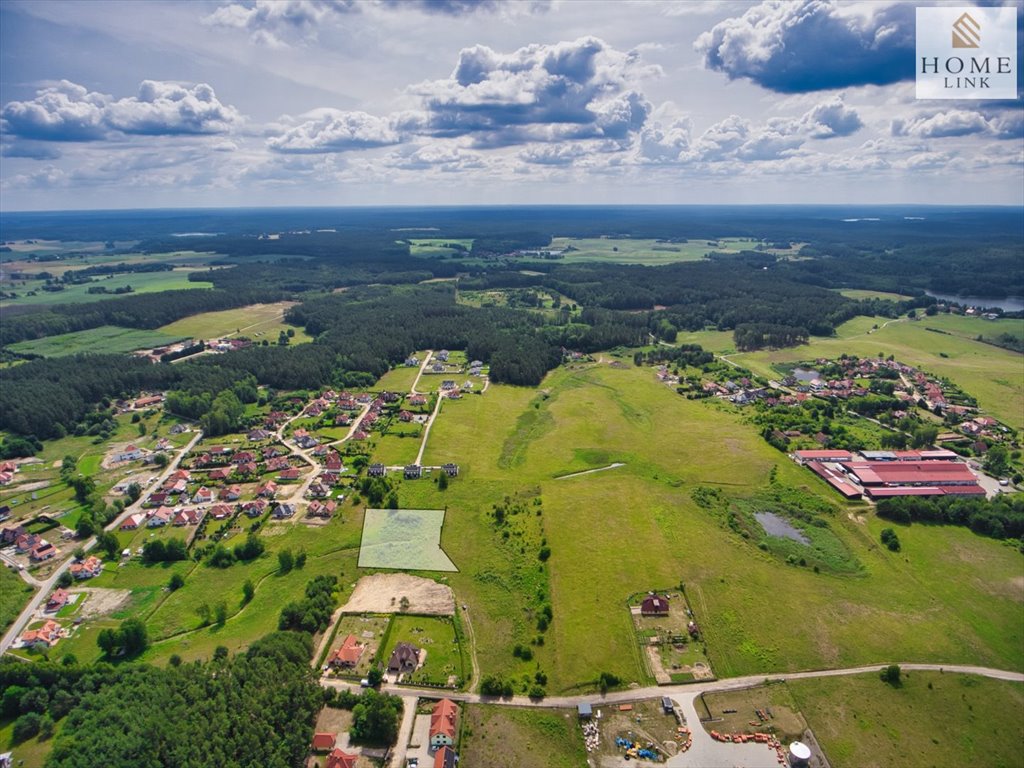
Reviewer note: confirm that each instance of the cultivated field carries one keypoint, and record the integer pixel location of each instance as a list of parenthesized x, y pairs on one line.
[(640, 251), (857, 293), (931, 719), (141, 282), (106, 339), (257, 321)]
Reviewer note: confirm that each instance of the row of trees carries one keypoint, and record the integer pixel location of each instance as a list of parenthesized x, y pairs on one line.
[(1001, 517)]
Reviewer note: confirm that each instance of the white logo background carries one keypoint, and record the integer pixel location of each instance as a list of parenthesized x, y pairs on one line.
[(935, 41)]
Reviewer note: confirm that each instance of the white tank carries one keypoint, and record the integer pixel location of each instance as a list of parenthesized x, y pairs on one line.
[(799, 754)]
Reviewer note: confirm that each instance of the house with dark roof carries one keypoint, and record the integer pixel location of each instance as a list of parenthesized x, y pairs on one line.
[(445, 758), (404, 659), (413, 471), (654, 605)]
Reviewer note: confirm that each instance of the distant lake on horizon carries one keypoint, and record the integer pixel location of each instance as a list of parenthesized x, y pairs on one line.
[(1009, 304)]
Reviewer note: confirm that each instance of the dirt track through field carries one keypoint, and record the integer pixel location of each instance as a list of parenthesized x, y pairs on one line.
[(383, 593)]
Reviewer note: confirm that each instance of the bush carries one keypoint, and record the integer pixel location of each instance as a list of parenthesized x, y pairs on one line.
[(891, 675), (177, 582), (26, 726), (890, 539)]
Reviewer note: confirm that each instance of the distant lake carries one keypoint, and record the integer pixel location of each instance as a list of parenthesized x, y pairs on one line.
[(776, 526), (805, 374), (1009, 304)]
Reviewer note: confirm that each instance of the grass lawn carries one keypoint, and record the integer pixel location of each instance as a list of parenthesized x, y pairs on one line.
[(395, 449), (509, 737), (437, 637), (400, 378), (437, 246), (14, 595), (932, 719), (141, 282), (105, 339), (257, 321), (27, 754), (370, 631)]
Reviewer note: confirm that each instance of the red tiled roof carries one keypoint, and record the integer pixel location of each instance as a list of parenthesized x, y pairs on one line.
[(339, 759), (442, 719), (322, 742)]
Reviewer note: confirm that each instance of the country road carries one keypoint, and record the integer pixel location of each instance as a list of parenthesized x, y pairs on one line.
[(47, 586), (683, 690)]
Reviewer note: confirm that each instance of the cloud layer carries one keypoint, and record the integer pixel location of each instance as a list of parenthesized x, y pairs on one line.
[(70, 112), (813, 45)]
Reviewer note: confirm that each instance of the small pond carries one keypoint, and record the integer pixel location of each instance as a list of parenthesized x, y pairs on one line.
[(777, 526), (805, 374)]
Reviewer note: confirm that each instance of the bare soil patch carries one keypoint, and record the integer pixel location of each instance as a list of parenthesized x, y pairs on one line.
[(381, 592), (101, 602)]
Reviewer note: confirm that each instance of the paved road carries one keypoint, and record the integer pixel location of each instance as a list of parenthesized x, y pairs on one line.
[(47, 586), (690, 689), (404, 731)]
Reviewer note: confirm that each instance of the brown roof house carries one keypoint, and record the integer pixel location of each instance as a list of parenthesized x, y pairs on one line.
[(654, 605), (405, 658)]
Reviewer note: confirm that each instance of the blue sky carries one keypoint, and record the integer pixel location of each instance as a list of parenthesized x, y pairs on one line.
[(411, 102)]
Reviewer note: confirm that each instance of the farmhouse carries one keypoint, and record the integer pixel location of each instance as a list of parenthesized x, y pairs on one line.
[(148, 401), (347, 655), (654, 605), (405, 658), (442, 724)]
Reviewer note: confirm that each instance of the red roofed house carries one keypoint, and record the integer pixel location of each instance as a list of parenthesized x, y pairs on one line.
[(220, 511), (654, 605), (48, 634), (268, 489), (44, 550), (220, 474), (339, 759), (58, 599), (188, 517), (347, 654), (88, 568), (442, 724), (203, 496), (232, 493), (445, 758), (292, 473), (324, 742)]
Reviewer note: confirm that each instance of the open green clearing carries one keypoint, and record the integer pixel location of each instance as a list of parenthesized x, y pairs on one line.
[(14, 595), (105, 339), (27, 754), (641, 251), (401, 378), (931, 719), (510, 737), (141, 282), (438, 246), (617, 532), (857, 293), (991, 374), (437, 637), (407, 539), (257, 322), (399, 447)]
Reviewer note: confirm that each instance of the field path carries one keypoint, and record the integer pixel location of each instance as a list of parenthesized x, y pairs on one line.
[(426, 429), (614, 465), (423, 367)]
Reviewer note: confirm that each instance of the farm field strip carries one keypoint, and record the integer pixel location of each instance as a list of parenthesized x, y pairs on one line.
[(106, 339)]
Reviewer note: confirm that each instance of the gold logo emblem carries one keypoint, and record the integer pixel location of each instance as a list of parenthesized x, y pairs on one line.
[(966, 32)]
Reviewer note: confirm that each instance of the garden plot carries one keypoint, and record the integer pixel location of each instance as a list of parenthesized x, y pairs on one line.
[(404, 539)]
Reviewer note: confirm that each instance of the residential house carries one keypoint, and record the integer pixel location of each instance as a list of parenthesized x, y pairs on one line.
[(47, 635), (292, 473), (248, 468), (89, 568), (413, 471), (267, 490), (43, 551), (161, 517), (148, 401), (445, 758), (11, 535), (243, 457), (222, 473), (203, 496), (221, 511), (377, 470), (282, 511), (157, 499), (405, 658), (175, 487), (254, 508), (359, 435), (277, 463), (132, 522), (405, 416), (57, 600), (442, 724), (452, 470), (188, 517), (231, 493), (27, 542), (417, 400), (654, 605), (255, 435), (347, 655), (324, 742), (340, 759), (271, 452), (443, 355), (131, 453)]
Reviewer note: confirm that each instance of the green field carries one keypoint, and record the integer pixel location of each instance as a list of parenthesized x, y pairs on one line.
[(990, 374), (400, 378), (510, 737), (436, 246), (931, 719), (406, 539), (647, 252), (105, 339), (14, 595), (257, 322), (141, 282), (857, 293), (394, 449)]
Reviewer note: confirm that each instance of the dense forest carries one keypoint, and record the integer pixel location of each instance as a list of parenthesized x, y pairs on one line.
[(256, 708)]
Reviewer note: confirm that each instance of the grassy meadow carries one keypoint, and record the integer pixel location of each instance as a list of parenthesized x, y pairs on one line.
[(106, 339), (141, 282), (14, 595), (510, 737), (932, 719), (257, 321)]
